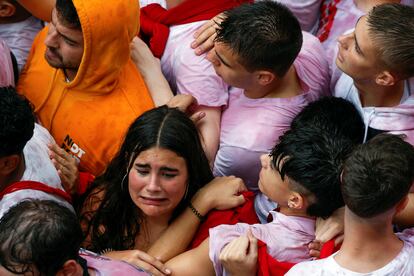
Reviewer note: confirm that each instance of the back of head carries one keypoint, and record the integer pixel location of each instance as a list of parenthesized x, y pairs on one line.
[(38, 236), (391, 27), (378, 175), (265, 35), (67, 13), (16, 121), (321, 137), (332, 114)]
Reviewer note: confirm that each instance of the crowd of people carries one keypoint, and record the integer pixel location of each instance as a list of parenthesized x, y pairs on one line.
[(221, 137)]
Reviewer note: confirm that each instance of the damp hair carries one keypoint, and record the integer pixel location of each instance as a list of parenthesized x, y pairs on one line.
[(163, 127), (378, 175), (265, 36), (38, 235)]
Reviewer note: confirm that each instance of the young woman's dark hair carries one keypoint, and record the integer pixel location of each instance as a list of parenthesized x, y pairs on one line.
[(161, 127), (38, 234)]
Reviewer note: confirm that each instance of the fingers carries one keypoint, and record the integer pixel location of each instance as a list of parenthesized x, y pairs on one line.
[(204, 37), (252, 243), (315, 248), (339, 239), (197, 117), (152, 265)]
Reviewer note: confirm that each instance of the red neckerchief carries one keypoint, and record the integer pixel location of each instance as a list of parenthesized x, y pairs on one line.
[(34, 185)]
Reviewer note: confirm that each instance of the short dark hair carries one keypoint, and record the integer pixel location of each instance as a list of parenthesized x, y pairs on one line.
[(16, 122), (38, 234), (66, 11), (265, 35), (378, 175), (391, 27), (312, 152), (332, 114)]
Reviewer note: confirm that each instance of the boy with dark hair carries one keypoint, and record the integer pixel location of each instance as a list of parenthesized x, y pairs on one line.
[(302, 176), (375, 182), (271, 67), (24, 153), (378, 72), (43, 237)]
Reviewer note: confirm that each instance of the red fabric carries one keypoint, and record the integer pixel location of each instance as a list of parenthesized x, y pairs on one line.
[(155, 20), (85, 180), (267, 265), (34, 185), (243, 213), (328, 12)]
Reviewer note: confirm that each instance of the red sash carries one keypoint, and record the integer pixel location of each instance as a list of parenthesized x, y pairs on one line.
[(34, 185)]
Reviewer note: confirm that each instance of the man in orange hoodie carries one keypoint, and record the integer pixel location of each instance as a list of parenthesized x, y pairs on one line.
[(81, 80)]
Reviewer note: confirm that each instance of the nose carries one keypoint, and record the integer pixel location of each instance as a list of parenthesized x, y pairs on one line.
[(211, 56), (52, 37), (154, 183), (264, 160), (344, 40)]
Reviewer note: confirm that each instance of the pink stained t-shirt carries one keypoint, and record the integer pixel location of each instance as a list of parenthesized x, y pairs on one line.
[(251, 127), (287, 238), (346, 17), (104, 266)]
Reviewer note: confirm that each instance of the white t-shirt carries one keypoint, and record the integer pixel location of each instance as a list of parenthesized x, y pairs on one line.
[(402, 265), (39, 168)]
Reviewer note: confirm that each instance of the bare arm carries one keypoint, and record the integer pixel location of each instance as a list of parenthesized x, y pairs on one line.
[(150, 69), (193, 262), (209, 129), (221, 193), (41, 9)]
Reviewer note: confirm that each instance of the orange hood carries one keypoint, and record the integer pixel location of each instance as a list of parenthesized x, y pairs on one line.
[(89, 115)]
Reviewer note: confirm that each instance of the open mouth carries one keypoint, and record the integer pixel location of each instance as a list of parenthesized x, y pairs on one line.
[(152, 200)]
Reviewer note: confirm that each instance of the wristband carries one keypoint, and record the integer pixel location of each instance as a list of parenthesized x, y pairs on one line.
[(196, 212)]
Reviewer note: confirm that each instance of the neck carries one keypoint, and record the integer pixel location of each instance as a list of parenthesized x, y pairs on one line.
[(286, 87), (151, 230), (379, 95), (15, 176), (367, 5), (70, 74), (293, 212), (372, 240)]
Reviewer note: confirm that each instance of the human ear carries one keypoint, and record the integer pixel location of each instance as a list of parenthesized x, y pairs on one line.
[(265, 77), (9, 164), (7, 9), (385, 78), (70, 268), (296, 201), (401, 205)]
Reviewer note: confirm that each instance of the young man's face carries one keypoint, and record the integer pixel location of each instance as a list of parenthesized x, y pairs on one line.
[(226, 65), (64, 45), (358, 57)]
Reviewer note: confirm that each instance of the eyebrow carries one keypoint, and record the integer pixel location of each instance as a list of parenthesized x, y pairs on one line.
[(147, 166), (221, 59), (62, 35), (355, 38)]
